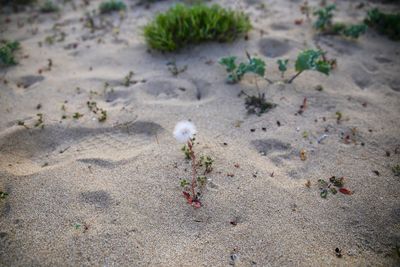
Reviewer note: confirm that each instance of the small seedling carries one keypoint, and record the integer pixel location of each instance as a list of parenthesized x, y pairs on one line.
[(236, 72), (7, 49), (184, 132), (282, 66), (77, 115), (182, 25), (385, 23), (101, 113), (325, 16), (339, 116), (396, 170), (111, 6), (39, 121), (3, 195), (128, 79), (334, 185), (49, 7), (173, 68)]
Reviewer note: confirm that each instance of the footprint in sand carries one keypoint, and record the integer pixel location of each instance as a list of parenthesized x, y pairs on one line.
[(54, 144), (274, 149), (163, 90), (271, 47), (29, 80), (99, 199)]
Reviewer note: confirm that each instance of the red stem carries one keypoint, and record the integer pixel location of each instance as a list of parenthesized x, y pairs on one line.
[(194, 172)]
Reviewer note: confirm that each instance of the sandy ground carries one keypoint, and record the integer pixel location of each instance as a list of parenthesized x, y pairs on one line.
[(85, 193)]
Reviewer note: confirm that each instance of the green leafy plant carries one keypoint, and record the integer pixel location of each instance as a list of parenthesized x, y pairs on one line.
[(311, 60), (111, 6), (282, 66), (182, 25), (324, 24), (236, 72), (207, 162), (7, 49), (325, 16), (48, 7), (384, 23)]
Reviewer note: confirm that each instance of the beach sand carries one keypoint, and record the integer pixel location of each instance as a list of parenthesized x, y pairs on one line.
[(88, 193)]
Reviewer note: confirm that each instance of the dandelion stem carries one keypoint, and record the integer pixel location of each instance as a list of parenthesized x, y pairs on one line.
[(194, 172)]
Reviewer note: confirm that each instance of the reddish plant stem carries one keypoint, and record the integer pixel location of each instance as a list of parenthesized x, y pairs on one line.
[(194, 172)]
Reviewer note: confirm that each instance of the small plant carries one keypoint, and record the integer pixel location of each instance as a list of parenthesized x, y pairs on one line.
[(101, 113), (384, 23), (324, 24), (182, 25), (325, 15), (111, 6), (77, 115), (334, 185), (49, 7), (39, 122), (3, 195), (173, 68), (236, 72), (128, 79), (282, 66), (7, 49), (184, 132), (396, 170), (311, 60)]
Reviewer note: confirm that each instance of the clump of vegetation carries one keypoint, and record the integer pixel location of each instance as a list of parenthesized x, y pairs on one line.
[(111, 6), (101, 113), (254, 104), (333, 186), (184, 132), (306, 60), (182, 25), (3, 195), (384, 23), (324, 24), (7, 50)]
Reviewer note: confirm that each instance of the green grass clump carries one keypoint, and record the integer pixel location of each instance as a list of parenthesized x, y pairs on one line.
[(182, 25), (387, 24), (111, 6), (7, 49)]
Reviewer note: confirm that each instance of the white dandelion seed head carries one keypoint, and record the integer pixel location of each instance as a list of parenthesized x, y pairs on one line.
[(184, 131)]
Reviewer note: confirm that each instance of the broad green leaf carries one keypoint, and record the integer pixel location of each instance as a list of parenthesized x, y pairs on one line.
[(229, 63)]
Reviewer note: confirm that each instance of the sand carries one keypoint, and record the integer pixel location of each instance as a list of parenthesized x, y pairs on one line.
[(90, 193)]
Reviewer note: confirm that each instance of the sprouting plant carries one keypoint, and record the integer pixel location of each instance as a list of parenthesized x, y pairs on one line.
[(48, 7), (186, 151), (173, 68), (39, 122), (184, 132), (339, 116), (77, 115), (351, 31), (101, 113), (207, 162), (7, 49), (325, 16), (282, 66), (333, 186), (182, 25), (311, 60), (236, 72), (111, 6), (128, 79), (3, 195), (396, 170), (385, 23)]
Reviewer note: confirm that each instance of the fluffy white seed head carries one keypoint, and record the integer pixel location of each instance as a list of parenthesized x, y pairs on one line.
[(184, 131)]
